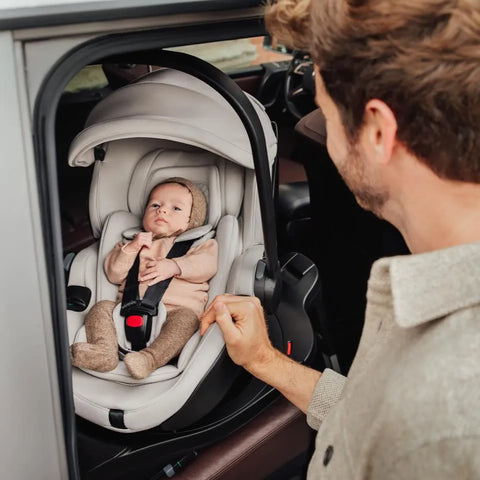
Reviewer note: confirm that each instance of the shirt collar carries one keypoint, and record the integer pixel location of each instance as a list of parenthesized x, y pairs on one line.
[(430, 285)]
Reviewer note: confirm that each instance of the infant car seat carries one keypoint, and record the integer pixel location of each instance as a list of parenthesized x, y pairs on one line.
[(167, 124), (170, 123)]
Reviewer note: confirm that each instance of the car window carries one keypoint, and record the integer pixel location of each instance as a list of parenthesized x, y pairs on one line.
[(235, 55), (90, 77), (230, 56)]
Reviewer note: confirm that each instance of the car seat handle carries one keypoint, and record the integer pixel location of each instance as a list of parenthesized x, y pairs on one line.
[(269, 287)]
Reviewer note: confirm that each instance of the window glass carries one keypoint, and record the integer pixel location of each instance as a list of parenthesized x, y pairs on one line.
[(234, 55), (229, 55), (88, 78)]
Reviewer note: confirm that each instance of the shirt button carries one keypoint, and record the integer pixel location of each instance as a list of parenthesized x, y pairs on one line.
[(328, 455)]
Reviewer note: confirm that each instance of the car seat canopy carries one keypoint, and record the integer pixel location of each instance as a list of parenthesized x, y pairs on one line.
[(175, 106)]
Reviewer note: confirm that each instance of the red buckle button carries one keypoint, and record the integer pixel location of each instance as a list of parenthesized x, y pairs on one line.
[(134, 321)]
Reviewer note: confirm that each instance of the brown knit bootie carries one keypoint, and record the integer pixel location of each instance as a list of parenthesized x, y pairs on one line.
[(100, 352)]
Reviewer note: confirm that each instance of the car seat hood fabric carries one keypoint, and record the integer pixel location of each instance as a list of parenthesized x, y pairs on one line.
[(175, 106)]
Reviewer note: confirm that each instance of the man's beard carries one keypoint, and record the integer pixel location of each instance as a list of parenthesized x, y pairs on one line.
[(368, 196)]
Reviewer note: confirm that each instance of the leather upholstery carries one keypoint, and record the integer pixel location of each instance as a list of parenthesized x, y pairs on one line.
[(275, 437)]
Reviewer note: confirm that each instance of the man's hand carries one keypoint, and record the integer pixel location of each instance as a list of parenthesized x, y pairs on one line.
[(158, 270), (142, 239), (242, 322)]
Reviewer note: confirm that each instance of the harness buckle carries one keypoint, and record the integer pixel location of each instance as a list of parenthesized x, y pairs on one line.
[(138, 328), (134, 321)]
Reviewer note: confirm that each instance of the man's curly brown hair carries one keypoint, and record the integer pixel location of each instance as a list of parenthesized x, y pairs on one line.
[(422, 58)]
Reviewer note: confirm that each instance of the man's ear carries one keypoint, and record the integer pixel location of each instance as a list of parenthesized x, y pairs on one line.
[(379, 131)]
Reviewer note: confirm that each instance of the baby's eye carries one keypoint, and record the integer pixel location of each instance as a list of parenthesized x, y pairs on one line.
[(177, 209), (155, 205)]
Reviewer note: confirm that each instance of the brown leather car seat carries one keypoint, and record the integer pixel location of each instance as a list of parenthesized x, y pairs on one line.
[(259, 450)]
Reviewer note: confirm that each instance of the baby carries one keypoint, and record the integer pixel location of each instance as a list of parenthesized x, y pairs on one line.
[(174, 206)]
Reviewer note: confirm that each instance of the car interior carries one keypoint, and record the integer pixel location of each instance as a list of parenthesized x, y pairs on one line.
[(227, 423)]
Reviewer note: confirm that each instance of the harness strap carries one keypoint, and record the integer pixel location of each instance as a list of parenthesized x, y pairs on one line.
[(138, 312)]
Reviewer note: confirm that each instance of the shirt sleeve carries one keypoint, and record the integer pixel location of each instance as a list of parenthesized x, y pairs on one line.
[(326, 394), (118, 263), (199, 264)]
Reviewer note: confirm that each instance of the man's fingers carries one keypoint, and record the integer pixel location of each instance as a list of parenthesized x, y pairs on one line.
[(230, 306), (205, 322), (226, 298), (224, 320), (210, 315)]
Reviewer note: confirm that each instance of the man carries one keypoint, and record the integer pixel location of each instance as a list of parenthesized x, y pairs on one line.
[(399, 84)]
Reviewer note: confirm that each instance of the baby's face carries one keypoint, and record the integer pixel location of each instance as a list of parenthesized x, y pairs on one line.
[(168, 210)]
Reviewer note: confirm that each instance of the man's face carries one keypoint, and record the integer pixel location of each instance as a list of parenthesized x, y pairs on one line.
[(168, 210), (351, 163)]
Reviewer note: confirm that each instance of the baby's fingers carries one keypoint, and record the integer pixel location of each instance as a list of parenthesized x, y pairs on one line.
[(147, 276)]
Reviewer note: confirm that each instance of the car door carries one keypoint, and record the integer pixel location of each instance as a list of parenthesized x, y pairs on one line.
[(41, 49), (32, 435)]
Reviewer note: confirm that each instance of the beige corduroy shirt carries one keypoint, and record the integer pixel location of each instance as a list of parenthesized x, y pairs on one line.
[(410, 408)]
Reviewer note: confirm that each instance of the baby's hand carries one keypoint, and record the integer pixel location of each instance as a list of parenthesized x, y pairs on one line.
[(158, 270), (142, 239)]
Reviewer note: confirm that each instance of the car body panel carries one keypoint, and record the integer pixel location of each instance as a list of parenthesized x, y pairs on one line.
[(33, 14), (31, 417)]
